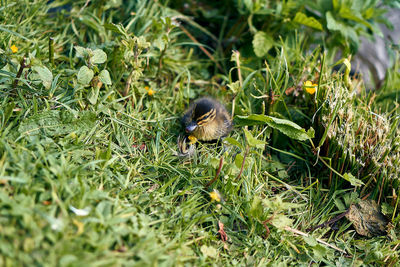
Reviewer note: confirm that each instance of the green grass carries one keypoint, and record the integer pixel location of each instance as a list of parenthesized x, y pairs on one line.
[(89, 173)]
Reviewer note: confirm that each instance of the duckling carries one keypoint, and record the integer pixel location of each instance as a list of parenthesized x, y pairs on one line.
[(207, 120)]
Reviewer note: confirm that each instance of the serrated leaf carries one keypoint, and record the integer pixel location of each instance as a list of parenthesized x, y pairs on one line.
[(262, 43), (45, 75), (353, 180), (286, 127), (312, 22), (85, 75), (104, 77), (98, 57), (252, 141)]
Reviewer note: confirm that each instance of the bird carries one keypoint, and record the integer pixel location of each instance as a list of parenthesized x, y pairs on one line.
[(367, 218), (206, 119)]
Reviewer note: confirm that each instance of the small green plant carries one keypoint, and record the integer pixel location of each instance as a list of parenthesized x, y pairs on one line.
[(90, 98)]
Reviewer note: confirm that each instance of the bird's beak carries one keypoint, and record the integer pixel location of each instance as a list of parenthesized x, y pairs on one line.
[(191, 127)]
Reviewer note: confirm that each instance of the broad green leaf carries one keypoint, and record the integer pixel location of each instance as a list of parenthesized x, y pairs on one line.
[(214, 162), (278, 204), (339, 204), (239, 161), (81, 51), (98, 57), (353, 180), (118, 28), (310, 240), (346, 31), (347, 13), (249, 5), (262, 43), (85, 75), (281, 221), (104, 77), (312, 22), (256, 209), (283, 174), (232, 141), (56, 122), (335, 4), (45, 75), (286, 127), (252, 141), (331, 23), (208, 251), (319, 252), (160, 43), (93, 95), (235, 86)]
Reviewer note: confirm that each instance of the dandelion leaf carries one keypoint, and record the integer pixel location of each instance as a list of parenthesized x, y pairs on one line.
[(286, 127)]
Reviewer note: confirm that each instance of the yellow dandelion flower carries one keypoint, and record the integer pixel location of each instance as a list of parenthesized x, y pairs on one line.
[(147, 88), (14, 48), (151, 92), (215, 196), (192, 139), (310, 87)]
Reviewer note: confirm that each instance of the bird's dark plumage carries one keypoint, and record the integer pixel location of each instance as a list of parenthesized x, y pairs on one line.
[(207, 119)]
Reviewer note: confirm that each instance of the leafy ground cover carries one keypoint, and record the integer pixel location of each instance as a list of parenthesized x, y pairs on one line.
[(91, 95)]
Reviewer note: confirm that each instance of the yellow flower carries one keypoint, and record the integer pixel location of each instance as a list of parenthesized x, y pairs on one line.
[(310, 87), (147, 88), (14, 48), (215, 196), (192, 139), (151, 92)]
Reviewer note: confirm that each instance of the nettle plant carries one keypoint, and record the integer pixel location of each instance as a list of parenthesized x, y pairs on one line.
[(90, 75)]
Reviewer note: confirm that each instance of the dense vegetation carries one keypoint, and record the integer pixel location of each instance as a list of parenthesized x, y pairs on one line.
[(91, 93)]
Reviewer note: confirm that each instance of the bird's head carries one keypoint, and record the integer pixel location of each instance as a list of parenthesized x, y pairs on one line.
[(202, 114), (206, 119)]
